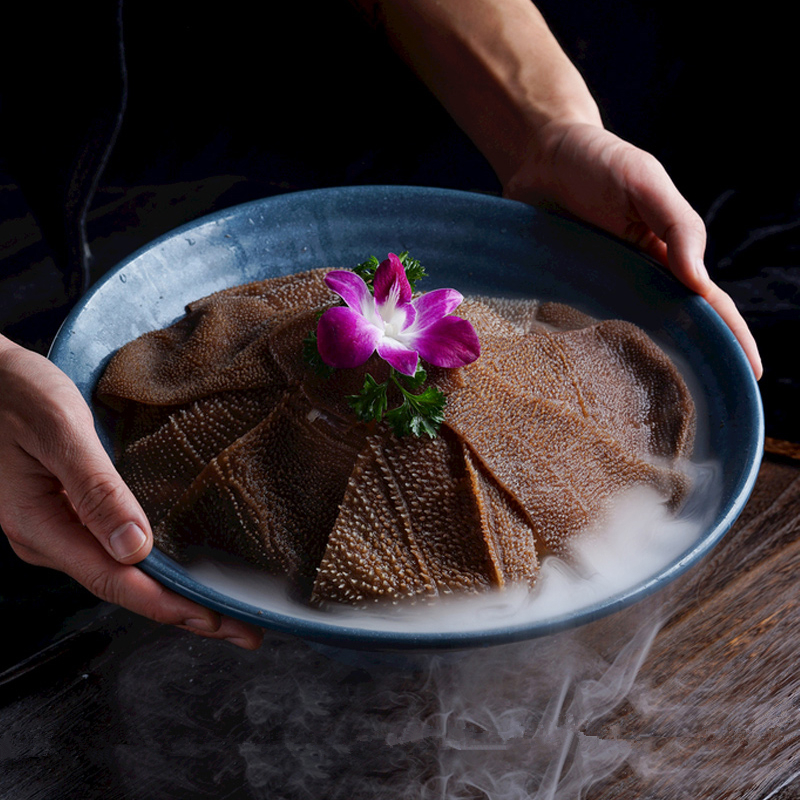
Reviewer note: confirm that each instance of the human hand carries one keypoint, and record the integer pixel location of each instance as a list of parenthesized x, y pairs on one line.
[(64, 506), (595, 175)]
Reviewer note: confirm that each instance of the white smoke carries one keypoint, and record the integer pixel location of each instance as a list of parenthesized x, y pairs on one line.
[(624, 707), (549, 719), (296, 721)]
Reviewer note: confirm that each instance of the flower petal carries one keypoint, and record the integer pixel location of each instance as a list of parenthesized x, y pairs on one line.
[(352, 289), (345, 339), (435, 305), (450, 342), (391, 282), (398, 356)]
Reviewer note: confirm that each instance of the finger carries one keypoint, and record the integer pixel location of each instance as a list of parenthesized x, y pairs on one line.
[(131, 588), (722, 303), (62, 543), (686, 263), (51, 425), (681, 229), (654, 247), (102, 501), (690, 269), (665, 212), (694, 275), (248, 637), (50, 534)]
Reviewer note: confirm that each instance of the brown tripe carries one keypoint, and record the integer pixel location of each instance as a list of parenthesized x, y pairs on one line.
[(229, 440)]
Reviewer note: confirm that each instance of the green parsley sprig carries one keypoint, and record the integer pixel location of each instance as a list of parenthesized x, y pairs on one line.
[(419, 413)]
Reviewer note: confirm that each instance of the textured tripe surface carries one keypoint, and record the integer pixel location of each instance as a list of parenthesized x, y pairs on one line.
[(229, 440)]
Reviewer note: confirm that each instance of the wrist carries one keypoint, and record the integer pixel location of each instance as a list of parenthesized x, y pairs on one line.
[(541, 132), (535, 177)]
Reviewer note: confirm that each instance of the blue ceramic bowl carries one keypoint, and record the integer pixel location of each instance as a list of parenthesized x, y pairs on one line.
[(480, 245)]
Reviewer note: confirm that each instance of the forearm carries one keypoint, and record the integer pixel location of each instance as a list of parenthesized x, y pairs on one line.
[(495, 66)]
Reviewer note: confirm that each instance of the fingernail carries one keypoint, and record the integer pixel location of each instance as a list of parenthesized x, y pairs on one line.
[(126, 540), (200, 625)]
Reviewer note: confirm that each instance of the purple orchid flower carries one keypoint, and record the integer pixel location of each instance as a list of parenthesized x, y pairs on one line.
[(401, 328)]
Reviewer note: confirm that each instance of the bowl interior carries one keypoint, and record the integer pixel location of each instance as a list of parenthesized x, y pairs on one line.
[(480, 245)]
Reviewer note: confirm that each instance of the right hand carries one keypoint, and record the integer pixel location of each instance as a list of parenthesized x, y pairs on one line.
[(64, 506), (589, 172)]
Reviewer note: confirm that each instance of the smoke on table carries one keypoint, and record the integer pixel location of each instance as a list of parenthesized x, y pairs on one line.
[(298, 721)]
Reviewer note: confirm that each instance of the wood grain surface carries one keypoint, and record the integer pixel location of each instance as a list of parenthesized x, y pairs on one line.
[(721, 719), (697, 686)]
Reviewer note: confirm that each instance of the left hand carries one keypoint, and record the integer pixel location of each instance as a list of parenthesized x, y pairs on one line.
[(64, 506)]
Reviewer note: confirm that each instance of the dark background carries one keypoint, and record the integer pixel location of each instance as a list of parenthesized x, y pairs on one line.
[(109, 141)]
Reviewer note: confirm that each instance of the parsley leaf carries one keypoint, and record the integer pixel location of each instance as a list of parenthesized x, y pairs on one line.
[(419, 413), (370, 403), (366, 270), (416, 380), (414, 270)]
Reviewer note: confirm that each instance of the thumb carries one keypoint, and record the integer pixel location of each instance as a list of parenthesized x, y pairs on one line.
[(102, 502), (53, 462), (107, 507)]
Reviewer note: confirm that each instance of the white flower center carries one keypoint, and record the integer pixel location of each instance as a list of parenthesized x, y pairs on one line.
[(392, 328), (393, 318)]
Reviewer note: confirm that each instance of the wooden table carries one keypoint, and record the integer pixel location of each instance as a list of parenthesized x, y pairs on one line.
[(690, 694), (721, 681)]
